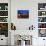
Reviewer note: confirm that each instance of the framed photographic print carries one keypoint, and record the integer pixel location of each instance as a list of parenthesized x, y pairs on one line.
[(23, 14)]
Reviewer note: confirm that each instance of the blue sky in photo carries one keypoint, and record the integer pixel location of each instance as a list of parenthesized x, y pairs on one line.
[(23, 11)]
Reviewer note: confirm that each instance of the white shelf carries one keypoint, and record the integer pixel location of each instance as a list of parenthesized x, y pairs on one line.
[(3, 16), (41, 22), (3, 10), (42, 16), (41, 28), (3, 22), (41, 10)]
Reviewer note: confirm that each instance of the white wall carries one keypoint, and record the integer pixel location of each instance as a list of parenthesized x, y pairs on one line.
[(23, 24)]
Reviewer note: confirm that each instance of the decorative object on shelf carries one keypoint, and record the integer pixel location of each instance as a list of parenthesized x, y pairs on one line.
[(13, 27), (41, 6), (3, 13), (4, 26), (23, 13), (3, 6), (4, 29), (6, 7), (42, 32), (3, 19), (41, 19), (0, 7), (41, 13), (41, 25), (31, 27)]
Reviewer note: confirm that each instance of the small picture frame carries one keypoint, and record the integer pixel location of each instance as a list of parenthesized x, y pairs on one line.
[(23, 14)]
